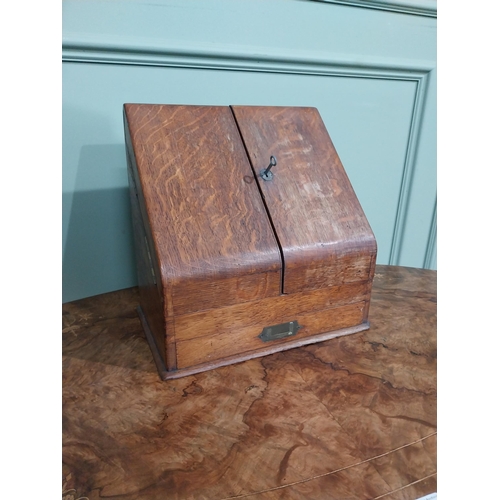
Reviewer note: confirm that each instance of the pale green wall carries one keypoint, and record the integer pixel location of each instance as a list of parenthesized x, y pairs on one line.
[(369, 71)]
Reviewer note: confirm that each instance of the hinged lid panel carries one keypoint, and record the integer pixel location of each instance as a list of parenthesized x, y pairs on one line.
[(211, 232), (320, 225)]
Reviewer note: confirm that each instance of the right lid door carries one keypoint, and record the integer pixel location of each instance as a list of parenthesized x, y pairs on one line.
[(321, 228)]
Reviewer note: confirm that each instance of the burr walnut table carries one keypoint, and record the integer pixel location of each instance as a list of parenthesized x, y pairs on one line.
[(349, 418)]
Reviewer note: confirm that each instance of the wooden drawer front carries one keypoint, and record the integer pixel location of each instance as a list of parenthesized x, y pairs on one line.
[(244, 337), (258, 314)]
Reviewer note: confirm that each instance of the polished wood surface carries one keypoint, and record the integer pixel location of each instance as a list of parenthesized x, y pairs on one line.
[(160, 324), (323, 232), (209, 226), (245, 338), (349, 418), (220, 259)]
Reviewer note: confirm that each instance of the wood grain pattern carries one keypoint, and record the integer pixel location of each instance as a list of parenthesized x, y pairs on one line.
[(350, 418), (149, 271), (271, 311), (331, 241), (245, 337), (263, 351), (150, 287), (209, 226), (229, 258)]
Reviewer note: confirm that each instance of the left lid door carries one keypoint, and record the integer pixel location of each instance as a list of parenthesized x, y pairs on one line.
[(210, 229)]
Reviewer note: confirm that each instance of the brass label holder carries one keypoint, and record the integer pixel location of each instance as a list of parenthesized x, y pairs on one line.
[(280, 331)]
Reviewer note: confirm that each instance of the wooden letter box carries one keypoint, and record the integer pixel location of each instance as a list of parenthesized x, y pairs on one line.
[(236, 260)]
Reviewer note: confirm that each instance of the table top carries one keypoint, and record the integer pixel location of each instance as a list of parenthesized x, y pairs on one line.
[(349, 418)]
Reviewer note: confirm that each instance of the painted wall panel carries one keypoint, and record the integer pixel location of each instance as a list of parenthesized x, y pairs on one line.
[(297, 27), (373, 103), (422, 198)]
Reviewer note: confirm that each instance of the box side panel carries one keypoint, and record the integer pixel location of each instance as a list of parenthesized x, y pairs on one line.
[(151, 291), (209, 225), (150, 300), (318, 220), (370, 286)]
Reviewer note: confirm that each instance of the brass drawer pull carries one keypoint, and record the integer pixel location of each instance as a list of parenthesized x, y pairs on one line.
[(280, 331)]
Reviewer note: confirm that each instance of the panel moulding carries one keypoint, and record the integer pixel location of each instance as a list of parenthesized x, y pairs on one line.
[(80, 49), (408, 170), (431, 242), (427, 8)]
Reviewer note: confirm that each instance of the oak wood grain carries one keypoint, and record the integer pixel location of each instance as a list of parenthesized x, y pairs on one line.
[(152, 293), (330, 241), (352, 417), (243, 337), (220, 256), (262, 351), (209, 226), (256, 315), (213, 255)]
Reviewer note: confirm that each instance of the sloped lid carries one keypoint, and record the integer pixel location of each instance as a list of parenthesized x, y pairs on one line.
[(323, 233), (211, 233)]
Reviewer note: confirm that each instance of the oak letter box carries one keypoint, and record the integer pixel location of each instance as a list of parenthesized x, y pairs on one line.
[(249, 237)]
